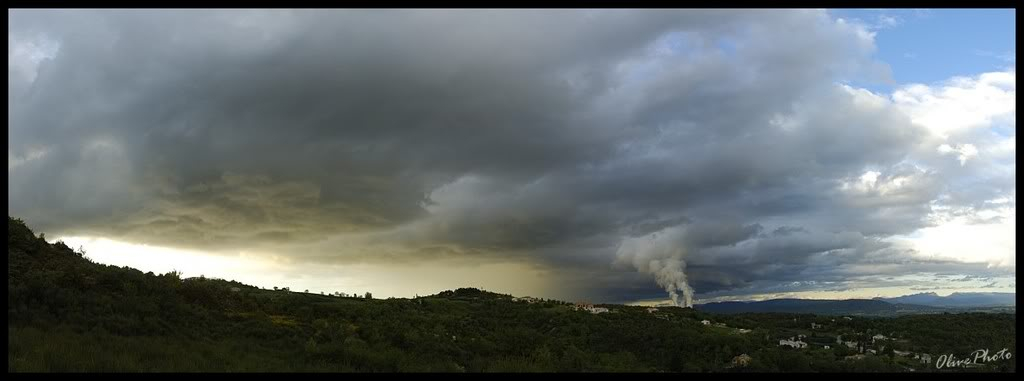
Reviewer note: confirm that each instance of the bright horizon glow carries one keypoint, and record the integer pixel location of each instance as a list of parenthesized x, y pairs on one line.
[(268, 271)]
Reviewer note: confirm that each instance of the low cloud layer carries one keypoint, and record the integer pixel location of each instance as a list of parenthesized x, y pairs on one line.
[(561, 139)]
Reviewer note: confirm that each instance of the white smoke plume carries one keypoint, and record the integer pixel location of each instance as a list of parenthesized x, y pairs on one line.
[(662, 254)]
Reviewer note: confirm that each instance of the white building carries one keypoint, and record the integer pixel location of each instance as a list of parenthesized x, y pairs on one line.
[(815, 325), (705, 322), (793, 343), (589, 308), (878, 337), (582, 306)]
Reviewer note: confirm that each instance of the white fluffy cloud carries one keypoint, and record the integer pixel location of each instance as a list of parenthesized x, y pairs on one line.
[(962, 104)]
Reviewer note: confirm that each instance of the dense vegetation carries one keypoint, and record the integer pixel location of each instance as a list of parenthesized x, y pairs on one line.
[(66, 313)]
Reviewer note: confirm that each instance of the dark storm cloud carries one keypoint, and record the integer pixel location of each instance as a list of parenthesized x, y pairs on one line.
[(547, 136)]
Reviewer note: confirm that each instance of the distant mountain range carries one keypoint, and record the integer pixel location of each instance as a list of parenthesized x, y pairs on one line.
[(958, 299), (910, 304), (821, 307)]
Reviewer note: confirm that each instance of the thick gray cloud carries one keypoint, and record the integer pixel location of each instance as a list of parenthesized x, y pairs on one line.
[(543, 136)]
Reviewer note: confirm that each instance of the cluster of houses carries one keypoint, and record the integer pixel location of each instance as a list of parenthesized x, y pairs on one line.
[(877, 344), (874, 347), (799, 343), (589, 308), (924, 358)]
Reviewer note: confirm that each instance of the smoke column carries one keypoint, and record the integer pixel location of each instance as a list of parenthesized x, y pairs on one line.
[(660, 254)]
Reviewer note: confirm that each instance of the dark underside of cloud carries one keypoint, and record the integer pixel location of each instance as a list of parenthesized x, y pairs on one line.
[(720, 138)]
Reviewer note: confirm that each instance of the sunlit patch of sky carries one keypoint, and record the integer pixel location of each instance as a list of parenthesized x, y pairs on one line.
[(927, 46)]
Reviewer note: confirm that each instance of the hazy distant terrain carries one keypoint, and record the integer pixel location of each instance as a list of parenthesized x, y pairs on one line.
[(66, 313), (873, 307), (825, 307), (958, 299)]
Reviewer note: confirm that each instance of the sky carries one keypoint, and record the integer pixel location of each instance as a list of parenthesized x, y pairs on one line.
[(927, 46), (615, 156)]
